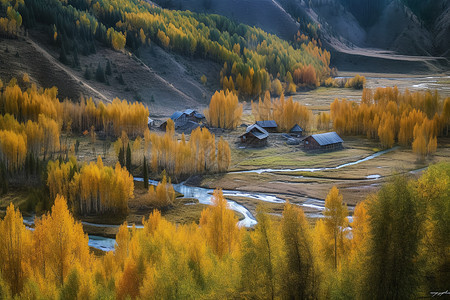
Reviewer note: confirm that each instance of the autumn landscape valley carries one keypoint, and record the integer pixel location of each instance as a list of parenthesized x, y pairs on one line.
[(224, 149)]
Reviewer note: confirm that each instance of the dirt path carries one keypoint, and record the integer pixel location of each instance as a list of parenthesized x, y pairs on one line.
[(66, 70)]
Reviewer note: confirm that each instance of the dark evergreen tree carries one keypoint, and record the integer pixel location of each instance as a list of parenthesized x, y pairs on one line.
[(63, 55), (108, 70), (145, 175), (32, 167), (77, 146), (3, 179), (100, 74), (85, 48), (92, 48), (120, 78), (121, 157), (87, 74), (76, 60), (128, 158)]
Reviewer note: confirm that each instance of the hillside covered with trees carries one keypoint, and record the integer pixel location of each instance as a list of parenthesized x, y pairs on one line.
[(252, 59)]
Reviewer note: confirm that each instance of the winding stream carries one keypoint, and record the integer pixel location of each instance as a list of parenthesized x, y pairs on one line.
[(260, 171), (204, 195)]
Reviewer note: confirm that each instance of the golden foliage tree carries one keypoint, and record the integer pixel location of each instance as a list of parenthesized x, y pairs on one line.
[(94, 188), (336, 222), (219, 225), (224, 110), (13, 149), (301, 277), (14, 249), (59, 243), (306, 76), (161, 196), (286, 113), (389, 115), (223, 155), (198, 155), (260, 261)]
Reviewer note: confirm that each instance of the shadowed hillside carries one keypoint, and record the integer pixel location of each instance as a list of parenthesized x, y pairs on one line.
[(266, 14), (370, 35)]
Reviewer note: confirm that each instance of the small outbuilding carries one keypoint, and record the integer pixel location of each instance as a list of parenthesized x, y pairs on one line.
[(255, 136), (269, 125), (323, 141), (296, 131)]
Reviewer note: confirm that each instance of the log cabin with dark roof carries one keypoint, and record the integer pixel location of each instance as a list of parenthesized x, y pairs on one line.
[(185, 119), (269, 125), (296, 131), (323, 141), (255, 136)]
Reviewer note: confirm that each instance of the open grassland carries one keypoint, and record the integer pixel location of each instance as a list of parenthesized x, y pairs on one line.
[(280, 155), (355, 181)]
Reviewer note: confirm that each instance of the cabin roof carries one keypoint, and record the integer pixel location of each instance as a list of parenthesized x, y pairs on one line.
[(327, 138), (199, 116), (296, 128), (189, 111), (176, 115), (257, 131), (267, 124), (187, 127)]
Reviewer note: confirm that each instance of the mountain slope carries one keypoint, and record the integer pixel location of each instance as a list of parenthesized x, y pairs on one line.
[(265, 14), (378, 30), (142, 82), (442, 32)]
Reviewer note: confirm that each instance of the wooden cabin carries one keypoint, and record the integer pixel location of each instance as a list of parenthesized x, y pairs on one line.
[(269, 126), (255, 136), (296, 131), (184, 119), (323, 141), (194, 115)]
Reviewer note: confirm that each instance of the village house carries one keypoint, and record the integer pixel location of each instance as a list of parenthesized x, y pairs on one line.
[(185, 121), (323, 141), (269, 126), (255, 136), (296, 131)]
